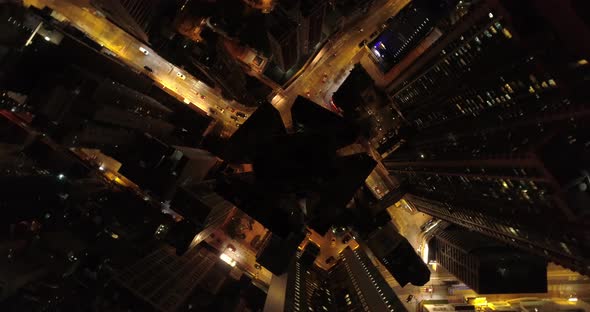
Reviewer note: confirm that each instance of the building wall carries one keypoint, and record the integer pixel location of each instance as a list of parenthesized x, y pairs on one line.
[(489, 120)]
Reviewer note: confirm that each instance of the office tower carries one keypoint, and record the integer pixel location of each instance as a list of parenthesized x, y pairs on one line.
[(164, 281), (284, 39), (135, 16), (497, 127), (215, 62), (398, 256), (486, 265), (353, 284), (357, 285), (303, 287)]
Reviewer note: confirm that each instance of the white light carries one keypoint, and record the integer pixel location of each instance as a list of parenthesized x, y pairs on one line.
[(187, 101), (227, 259), (61, 176), (425, 253), (101, 168), (491, 15), (573, 299), (47, 38)]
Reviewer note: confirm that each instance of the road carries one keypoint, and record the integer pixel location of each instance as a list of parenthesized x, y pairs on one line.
[(323, 76), (562, 283), (174, 80), (332, 64)]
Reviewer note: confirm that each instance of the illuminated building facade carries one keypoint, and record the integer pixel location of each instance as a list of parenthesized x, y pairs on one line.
[(496, 128)]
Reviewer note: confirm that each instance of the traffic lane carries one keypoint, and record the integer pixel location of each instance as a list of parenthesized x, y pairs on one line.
[(127, 49)]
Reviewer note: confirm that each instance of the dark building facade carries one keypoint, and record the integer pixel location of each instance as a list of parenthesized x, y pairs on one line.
[(487, 266), (357, 285), (164, 281), (283, 37), (313, 14), (353, 284), (398, 256), (496, 124), (135, 16)]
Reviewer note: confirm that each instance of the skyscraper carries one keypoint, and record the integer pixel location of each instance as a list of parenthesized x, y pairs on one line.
[(135, 16), (283, 37), (313, 13), (353, 284), (398, 256), (497, 125)]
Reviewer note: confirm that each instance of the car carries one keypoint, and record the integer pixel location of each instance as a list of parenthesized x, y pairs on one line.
[(202, 97), (233, 117), (180, 75), (362, 43), (220, 109), (330, 260), (148, 69), (308, 93), (325, 77), (144, 51), (240, 114), (409, 298), (212, 111), (333, 242), (257, 266)]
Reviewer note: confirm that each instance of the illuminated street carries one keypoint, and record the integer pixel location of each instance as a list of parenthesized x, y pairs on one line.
[(335, 60), (398, 155), (562, 283), (172, 79), (320, 79)]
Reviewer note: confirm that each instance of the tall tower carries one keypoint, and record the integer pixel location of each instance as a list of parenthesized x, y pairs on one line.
[(497, 127)]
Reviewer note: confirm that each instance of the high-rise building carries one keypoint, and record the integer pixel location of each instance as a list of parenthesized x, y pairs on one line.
[(215, 62), (497, 125), (135, 16), (398, 256), (486, 265), (353, 284), (284, 39), (313, 14), (357, 285), (164, 281)]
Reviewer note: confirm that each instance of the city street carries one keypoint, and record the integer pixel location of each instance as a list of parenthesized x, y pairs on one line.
[(332, 64), (562, 283), (319, 81), (172, 79)]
